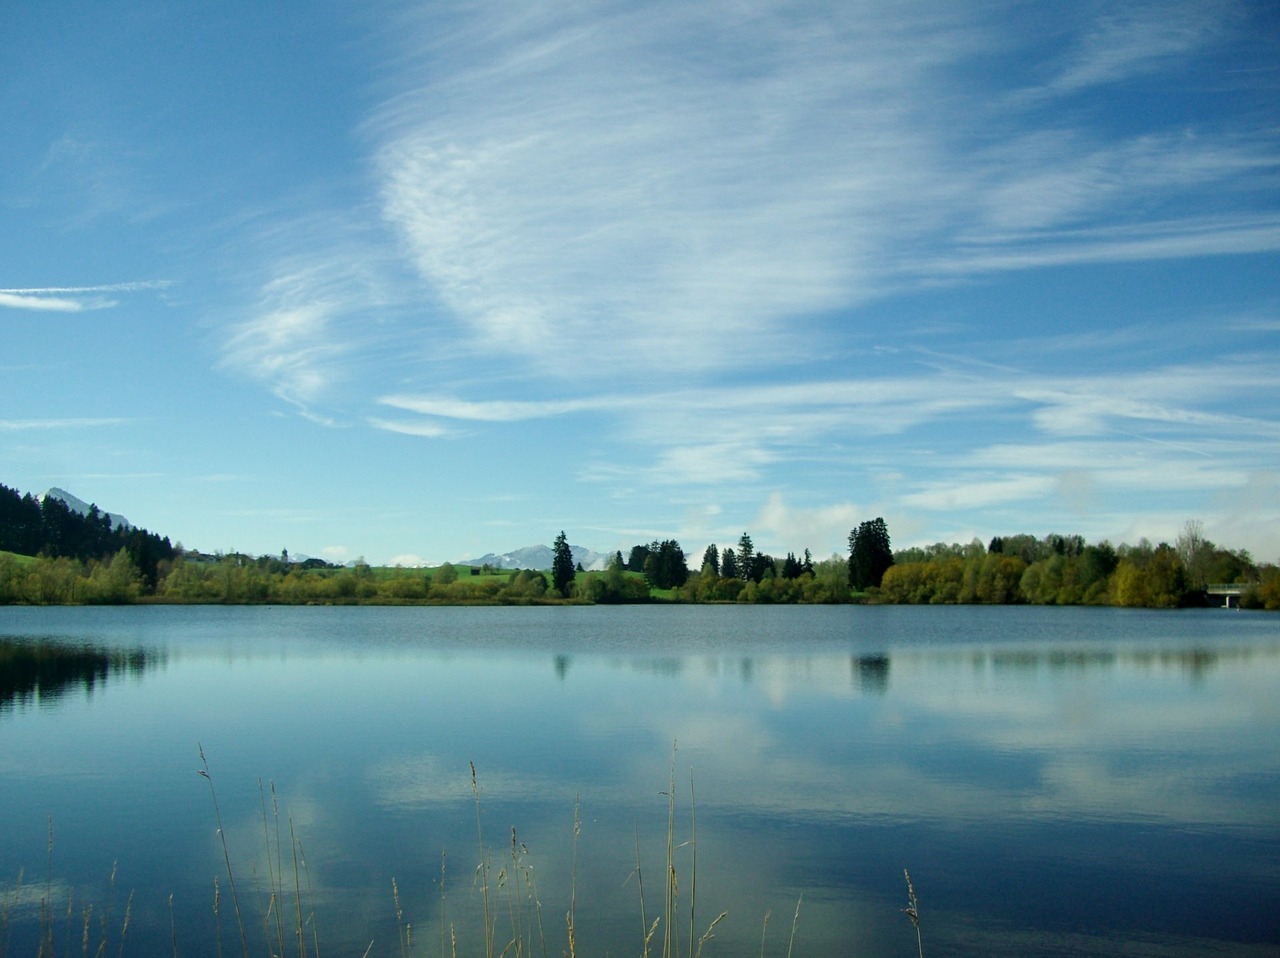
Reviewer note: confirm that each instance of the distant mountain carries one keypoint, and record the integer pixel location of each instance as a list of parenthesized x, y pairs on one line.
[(79, 505), (541, 557)]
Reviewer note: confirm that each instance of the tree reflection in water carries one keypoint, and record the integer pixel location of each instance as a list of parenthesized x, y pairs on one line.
[(41, 673)]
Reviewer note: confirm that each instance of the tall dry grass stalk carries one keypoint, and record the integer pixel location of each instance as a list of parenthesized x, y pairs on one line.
[(531, 886), (512, 889), (795, 923), (443, 923), (670, 942), (74, 925), (173, 928), (912, 911), (276, 930), (226, 854), (646, 930), (523, 903), (273, 863), (482, 870), (6, 907), (671, 890), (405, 933), (217, 916), (300, 858), (124, 926)]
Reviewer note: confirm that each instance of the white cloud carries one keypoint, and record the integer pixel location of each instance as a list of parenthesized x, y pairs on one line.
[(309, 328), (72, 299), (58, 304), (1063, 441), (969, 492), (83, 422), (289, 347), (584, 193), (586, 196), (621, 201), (1157, 399), (675, 232), (424, 429), (1188, 237), (1139, 39), (1047, 180), (823, 529), (709, 463), (495, 410)]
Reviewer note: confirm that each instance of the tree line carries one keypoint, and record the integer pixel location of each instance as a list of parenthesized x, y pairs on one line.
[(107, 557), (1066, 570), (65, 558)]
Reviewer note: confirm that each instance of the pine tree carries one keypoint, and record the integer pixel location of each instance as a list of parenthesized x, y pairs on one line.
[(746, 552), (562, 570), (870, 554), (712, 557), (729, 563)]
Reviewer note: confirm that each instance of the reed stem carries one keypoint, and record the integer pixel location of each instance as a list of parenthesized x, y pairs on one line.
[(226, 855)]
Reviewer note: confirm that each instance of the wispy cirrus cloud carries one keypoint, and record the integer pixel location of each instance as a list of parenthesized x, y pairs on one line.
[(948, 496), (587, 188), (425, 429), (778, 412), (73, 299), (446, 407), (1139, 39), (290, 346), (712, 436), (74, 422), (320, 318), (578, 184), (666, 190), (911, 446), (672, 228)]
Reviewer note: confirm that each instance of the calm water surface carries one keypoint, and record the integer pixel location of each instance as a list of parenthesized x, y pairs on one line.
[(1058, 781)]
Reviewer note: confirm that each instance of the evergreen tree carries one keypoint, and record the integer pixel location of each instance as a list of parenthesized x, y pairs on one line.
[(763, 566), (712, 557), (729, 564), (746, 553), (635, 561), (665, 568), (562, 569), (870, 554)]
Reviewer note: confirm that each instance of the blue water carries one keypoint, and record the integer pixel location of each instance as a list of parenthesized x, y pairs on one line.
[(1058, 781)]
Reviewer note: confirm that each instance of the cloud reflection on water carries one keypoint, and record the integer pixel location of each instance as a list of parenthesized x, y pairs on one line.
[(1144, 770)]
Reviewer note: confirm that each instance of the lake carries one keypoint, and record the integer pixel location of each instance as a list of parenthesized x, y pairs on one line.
[(1058, 781)]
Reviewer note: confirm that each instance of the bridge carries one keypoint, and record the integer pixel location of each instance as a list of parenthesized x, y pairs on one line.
[(1228, 590)]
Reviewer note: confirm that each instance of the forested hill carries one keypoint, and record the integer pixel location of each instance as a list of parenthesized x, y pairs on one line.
[(52, 528)]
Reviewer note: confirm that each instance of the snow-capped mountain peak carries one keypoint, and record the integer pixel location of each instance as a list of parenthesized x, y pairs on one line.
[(76, 504)]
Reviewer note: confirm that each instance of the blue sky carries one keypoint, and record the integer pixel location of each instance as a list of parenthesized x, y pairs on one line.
[(415, 282)]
